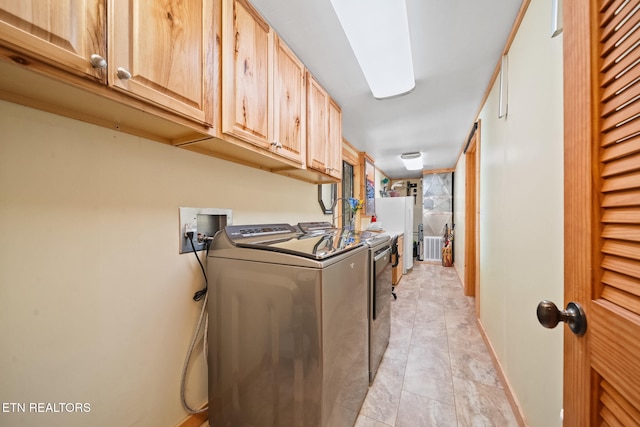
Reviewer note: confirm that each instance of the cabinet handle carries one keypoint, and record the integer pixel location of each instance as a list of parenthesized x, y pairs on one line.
[(123, 74), (276, 144), (97, 61)]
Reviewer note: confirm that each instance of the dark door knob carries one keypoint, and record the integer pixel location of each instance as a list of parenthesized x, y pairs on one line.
[(549, 316)]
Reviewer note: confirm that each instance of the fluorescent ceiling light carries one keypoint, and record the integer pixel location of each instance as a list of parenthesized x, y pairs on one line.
[(378, 32), (412, 161)]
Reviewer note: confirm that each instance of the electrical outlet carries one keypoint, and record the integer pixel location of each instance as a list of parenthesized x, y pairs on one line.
[(204, 223), (190, 228)]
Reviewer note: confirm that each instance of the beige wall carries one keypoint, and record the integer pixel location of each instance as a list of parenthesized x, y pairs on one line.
[(95, 301), (459, 185), (379, 177), (521, 217)]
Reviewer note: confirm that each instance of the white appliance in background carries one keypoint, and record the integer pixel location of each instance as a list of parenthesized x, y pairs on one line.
[(396, 216)]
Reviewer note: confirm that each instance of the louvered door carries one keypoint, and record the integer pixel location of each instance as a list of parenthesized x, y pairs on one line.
[(616, 310), (602, 210)]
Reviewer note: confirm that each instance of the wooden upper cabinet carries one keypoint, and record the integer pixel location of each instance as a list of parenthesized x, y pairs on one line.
[(172, 70), (317, 125), (246, 75), (160, 52), (163, 52), (324, 131), (64, 33), (334, 149), (289, 104)]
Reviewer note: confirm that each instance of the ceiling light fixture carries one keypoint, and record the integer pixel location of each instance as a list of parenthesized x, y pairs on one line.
[(378, 32), (412, 161)]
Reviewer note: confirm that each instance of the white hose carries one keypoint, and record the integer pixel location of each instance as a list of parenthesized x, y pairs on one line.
[(203, 316)]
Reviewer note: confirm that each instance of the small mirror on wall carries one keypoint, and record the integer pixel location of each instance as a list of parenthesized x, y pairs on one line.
[(327, 194)]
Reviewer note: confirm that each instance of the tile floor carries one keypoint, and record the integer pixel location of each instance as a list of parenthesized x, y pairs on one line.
[(436, 370)]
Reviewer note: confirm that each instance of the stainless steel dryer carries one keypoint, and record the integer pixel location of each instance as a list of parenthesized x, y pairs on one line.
[(380, 291), (380, 286), (287, 327)]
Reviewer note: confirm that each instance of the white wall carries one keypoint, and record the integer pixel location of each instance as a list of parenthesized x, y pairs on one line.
[(95, 301), (521, 217)]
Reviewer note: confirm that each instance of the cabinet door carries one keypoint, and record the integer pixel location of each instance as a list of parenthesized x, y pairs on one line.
[(64, 33), (317, 125), (246, 78), (289, 104), (162, 52), (334, 149)]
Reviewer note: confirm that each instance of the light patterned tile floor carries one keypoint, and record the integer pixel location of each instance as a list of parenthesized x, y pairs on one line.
[(436, 370)]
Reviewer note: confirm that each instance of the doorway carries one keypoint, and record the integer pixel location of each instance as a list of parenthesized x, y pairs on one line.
[(347, 187), (472, 229)]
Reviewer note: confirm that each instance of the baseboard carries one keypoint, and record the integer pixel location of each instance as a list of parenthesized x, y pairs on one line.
[(455, 267), (428, 262), (517, 409), (194, 420)]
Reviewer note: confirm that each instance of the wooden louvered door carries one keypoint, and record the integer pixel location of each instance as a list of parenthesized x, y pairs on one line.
[(602, 210)]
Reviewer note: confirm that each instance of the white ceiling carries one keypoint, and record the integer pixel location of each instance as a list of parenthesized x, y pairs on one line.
[(456, 45)]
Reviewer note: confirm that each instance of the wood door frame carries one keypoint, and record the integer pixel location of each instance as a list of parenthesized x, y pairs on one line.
[(472, 220), (352, 156), (581, 204)]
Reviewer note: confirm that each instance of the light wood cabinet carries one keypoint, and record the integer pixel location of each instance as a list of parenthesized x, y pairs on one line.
[(159, 52), (163, 52), (246, 74), (334, 147), (62, 33), (263, 95), (205, 75), (289, 104), (324, 131), (317, 125), (396, 272)]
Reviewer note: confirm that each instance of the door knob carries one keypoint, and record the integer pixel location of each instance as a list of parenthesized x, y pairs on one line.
[(549, 316)]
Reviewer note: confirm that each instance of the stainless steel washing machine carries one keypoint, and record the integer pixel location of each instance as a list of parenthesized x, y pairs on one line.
[(288, 340)]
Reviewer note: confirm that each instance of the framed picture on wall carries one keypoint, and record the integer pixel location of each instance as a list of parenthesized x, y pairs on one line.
[(370, 188)]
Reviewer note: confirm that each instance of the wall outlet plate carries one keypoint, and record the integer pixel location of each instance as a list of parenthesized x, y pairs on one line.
[(204, 222)]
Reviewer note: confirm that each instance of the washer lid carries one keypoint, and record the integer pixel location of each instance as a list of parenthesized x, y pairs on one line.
[(288, 239), (369, 237)]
